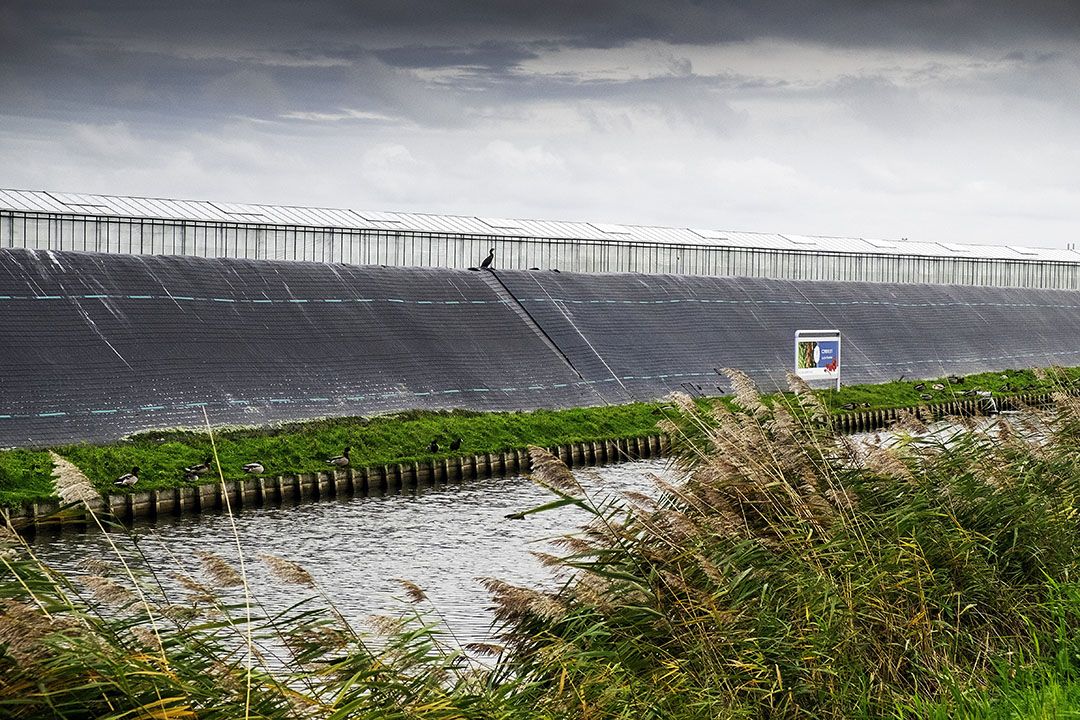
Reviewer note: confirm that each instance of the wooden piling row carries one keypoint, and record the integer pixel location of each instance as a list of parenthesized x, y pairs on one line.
[(870, 420), (363, 481), (398, 477)]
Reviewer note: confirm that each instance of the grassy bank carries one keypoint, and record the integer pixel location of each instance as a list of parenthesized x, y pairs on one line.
[(404, 437), (303, 447), (795, 573)]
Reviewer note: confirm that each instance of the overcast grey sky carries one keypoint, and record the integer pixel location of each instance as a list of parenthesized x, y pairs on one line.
[(951, 121)]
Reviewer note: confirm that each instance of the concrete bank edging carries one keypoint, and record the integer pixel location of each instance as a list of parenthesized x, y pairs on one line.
[(348, 482)]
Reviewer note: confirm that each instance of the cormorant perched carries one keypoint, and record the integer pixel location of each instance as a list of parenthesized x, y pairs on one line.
[(128, 479), (456, 444), (341, 460), (433, 447), (202, 468), (487, 261), (255, 468)]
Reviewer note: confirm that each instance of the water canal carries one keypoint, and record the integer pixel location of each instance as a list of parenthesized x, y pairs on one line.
[(441, 538)]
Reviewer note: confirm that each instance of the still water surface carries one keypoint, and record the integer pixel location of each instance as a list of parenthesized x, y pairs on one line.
[(442, 539)]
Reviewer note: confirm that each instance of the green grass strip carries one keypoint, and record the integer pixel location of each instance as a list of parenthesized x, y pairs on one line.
[(25, 475)]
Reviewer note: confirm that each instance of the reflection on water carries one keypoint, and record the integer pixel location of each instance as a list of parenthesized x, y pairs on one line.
[(440, 538)]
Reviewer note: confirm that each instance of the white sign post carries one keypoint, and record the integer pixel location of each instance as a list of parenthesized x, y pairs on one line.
[(817, 355)]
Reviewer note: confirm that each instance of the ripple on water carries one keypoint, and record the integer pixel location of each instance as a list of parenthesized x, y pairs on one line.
[(442, 539)]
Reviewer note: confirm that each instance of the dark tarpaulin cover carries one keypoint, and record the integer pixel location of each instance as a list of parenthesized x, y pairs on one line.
[(650, 334), (94, 347)]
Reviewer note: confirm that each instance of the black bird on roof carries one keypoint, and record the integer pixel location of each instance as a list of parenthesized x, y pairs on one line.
[(488, 259)]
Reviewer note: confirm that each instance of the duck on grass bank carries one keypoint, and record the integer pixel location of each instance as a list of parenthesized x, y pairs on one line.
[(455, 445), (128, 479), (341, 460), (202, 468), (433, 447), (254, 468)]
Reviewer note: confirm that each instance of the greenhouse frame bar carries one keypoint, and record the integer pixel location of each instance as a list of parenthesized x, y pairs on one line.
[(132, 225)]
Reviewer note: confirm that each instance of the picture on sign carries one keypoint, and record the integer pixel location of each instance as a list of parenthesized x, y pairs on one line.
[(822, 354), (817, 355)]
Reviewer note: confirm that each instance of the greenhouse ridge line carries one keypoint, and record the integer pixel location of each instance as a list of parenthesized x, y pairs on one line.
[(152, 209), (113, 225), (665, 301)]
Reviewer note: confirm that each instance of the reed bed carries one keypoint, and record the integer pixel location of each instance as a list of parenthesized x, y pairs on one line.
[(800, 573), (796, 573)]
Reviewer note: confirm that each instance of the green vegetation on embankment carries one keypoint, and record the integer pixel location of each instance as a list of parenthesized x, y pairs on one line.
[(25, 475), (791, 573)]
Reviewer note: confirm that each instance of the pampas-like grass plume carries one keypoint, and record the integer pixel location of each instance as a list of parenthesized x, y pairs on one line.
[(287, 570), (808, 398), (108, 591), (415, 592), (71, 484), (222, 573), (551, 472), (746, 392)]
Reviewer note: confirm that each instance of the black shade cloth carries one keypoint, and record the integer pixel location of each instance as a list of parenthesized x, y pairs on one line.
[(94, 347)]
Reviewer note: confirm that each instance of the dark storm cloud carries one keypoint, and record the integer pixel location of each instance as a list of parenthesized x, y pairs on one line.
[(48, 39), (394, 26)]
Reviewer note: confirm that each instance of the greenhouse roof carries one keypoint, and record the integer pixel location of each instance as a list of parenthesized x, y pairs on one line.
[(82, 205)]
